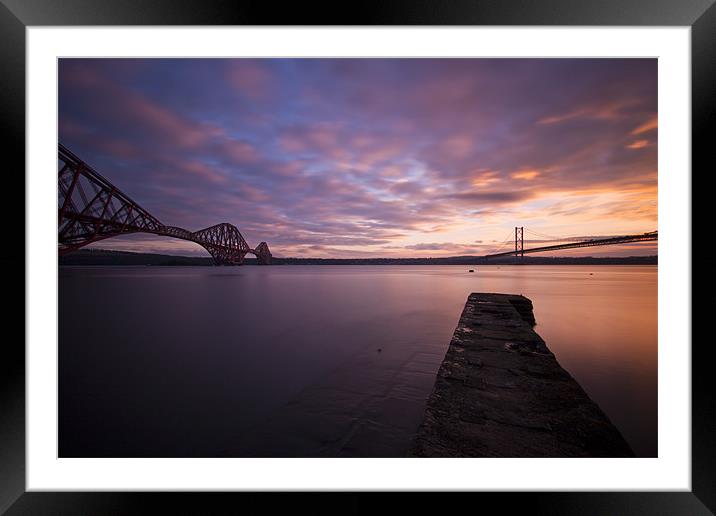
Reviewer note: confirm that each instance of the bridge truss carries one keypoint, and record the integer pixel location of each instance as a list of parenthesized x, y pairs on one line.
[(90, 208)]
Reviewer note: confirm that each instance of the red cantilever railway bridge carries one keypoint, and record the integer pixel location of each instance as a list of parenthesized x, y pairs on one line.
[(92, 209)]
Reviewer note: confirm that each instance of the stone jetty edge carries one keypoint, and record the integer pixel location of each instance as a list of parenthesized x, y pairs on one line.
[(500, 392)]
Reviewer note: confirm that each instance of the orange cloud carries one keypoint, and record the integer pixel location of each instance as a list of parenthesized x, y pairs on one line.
[(561, 118), (649, 125), (485, 178), (639, 144), (609, 111), (527, 175)]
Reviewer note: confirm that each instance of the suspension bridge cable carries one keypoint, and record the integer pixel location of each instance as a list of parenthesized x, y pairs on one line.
[(508, 241), (542, 235)]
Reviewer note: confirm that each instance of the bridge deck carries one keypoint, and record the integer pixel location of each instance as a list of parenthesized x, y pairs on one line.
[(643, 237), (501, 393)]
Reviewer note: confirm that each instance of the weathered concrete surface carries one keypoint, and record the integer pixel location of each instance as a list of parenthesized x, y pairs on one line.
[(501, 393)]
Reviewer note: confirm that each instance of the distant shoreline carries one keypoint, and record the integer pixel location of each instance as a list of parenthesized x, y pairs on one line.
[(107, 257)]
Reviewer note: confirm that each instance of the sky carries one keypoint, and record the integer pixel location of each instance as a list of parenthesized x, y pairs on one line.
[(373, 157)]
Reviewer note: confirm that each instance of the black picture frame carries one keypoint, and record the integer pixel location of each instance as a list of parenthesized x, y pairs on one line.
[(17, 15)]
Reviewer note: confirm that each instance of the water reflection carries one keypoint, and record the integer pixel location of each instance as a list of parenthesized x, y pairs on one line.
[(320, 360)]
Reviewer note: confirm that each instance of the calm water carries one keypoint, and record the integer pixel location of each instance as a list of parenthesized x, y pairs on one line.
[(320, 360)]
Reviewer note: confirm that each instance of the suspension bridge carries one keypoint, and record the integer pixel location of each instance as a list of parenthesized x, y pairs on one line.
[(567, 243), (92, 209)]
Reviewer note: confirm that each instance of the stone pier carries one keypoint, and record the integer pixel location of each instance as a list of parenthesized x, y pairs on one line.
[(500, 392)]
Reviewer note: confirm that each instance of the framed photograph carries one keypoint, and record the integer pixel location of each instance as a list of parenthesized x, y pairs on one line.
[(411, 249)]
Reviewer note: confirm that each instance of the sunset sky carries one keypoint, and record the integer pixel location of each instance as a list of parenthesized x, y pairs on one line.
[(372, 157)]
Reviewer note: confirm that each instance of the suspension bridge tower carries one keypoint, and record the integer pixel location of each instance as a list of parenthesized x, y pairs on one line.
[(519, 241)]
